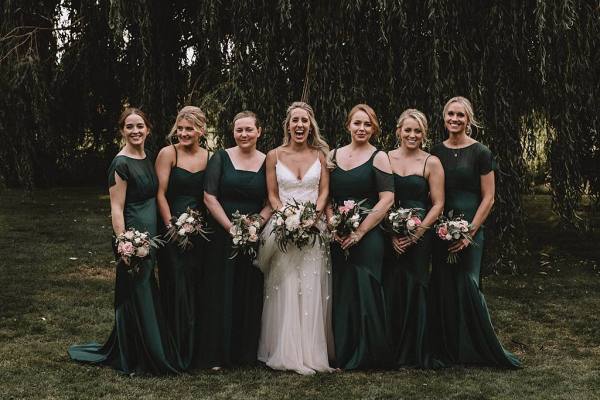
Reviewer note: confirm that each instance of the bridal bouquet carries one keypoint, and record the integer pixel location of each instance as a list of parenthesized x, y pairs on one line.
[(452, 229), (245, 233), (189, 224), (133, 246), (346, 218), (403, 221), (295, 223)]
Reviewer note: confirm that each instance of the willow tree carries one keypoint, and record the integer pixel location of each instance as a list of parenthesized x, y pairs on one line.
[(528, 67)]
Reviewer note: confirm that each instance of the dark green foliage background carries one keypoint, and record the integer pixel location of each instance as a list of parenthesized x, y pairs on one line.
[(528, 67)]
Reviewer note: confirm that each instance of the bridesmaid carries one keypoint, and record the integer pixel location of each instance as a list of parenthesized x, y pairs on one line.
[(180, 170), (139, 342), (232, 289), (418, 180), (360, 172), (462, 332)]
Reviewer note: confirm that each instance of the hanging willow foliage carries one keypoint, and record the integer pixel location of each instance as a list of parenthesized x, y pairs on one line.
[(530, 68)]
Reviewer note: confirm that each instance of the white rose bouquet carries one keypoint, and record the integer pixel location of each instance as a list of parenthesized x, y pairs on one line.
[(453, 229), (188, 225), (295, 223), (133, 246), (244, 233), (403, 221)]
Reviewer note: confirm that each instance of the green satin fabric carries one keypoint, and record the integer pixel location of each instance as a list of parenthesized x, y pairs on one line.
[(461, 331), (231, 292), (358, 304), (179, 271), (405, 280), (140, 341)]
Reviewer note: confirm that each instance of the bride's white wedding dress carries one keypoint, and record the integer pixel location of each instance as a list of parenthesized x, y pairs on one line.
[(296, 319)]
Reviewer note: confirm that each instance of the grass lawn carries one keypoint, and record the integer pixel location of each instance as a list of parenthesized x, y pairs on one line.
[(60, 292)]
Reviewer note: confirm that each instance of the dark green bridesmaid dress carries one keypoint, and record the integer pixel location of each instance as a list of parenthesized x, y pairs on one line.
[(232, 289), (358, 305), (405, 280), (179, 270), (139, 342), (459, 322)]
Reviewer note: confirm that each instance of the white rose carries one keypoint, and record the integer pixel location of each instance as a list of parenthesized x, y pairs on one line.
[(128, 235), (279, 221), (355, 225), (181, 232), (252, 230), (292, 223), (182, 218), (236, 240), (142, 251), (137, 240), (355, 217), (448, 236), (189, 220)]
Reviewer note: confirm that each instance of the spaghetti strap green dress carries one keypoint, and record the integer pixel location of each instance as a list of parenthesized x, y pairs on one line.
[(459, 324), (140, 342), (358, 304), (179, 270), (405, 280), (231, 292)]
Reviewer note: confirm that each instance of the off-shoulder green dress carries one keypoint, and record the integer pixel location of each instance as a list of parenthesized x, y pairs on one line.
[(140, 341), (459, 323), (232, 289), (179, 270), (358, 306)]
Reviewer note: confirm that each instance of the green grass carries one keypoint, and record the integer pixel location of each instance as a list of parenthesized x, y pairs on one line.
[(548, 315)]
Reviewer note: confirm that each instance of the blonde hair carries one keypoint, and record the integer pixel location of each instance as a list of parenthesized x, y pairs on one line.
[(246, 114), (314, 135), (463, 101), (192, 114), (417, 116), (370, 113)]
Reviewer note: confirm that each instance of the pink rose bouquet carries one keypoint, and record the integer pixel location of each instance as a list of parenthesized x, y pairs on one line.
[(453, 229), (403, 221), (133, 246)]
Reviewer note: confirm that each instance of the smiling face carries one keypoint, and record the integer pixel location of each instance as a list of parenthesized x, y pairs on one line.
[(134, 130), (360, 127), (455, 119), (245, 132), (187, 133), (410, 134), (299, 126)]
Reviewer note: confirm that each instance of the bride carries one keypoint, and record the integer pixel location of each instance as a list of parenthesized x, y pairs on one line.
[(296, 320)]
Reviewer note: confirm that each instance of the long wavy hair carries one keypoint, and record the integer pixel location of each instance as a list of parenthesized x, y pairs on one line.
[(314, 135)]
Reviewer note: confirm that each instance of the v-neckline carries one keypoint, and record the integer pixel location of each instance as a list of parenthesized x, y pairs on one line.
[(292, 172)]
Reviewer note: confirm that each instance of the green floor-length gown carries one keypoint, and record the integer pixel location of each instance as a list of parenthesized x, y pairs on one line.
[(139, 342), (359, 318), (405, 280), (459, 322), (179, 270), (232, 289)]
